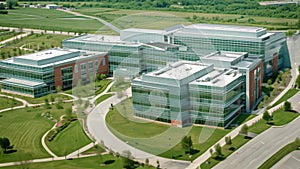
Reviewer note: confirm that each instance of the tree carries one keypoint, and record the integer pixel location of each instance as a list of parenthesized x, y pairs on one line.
[(52, 99), (187, 144), (218, 150), (228, 140), (5, 144), (127, 160), (69, 113), (244, 129), (58, 89), (266, 116), (287, 106), (11, 3), (147, 161)]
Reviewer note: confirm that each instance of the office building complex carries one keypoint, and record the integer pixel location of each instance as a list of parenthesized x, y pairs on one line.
[(208, 92), (40, 73)]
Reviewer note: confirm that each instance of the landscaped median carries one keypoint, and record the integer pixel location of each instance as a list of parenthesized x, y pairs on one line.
[(280, 154), (279, 117)]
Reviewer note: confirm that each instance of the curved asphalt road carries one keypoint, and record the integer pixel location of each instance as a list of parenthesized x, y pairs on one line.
[(97, 127)]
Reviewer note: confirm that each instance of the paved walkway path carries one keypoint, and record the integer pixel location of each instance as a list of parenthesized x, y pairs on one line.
[(29, 30), (45, 145), (14, 38), (97, 127), (93, 17)]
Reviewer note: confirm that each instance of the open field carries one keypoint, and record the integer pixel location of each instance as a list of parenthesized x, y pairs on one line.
[(142, 134), (31, 43), (25, 128), (87, 163), (7, 103), (69, 140), (281, 117), (144, 18), (46, 19)]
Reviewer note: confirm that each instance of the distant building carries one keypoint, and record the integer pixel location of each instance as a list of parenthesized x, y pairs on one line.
[(51, 6), (40, 73)]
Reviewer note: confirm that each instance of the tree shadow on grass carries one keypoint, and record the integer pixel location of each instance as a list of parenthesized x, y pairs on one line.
[(10, 151), (194, 151), (109, 162)]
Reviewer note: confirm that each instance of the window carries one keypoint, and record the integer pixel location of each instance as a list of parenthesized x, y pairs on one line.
[(103, 62), (76, 68)]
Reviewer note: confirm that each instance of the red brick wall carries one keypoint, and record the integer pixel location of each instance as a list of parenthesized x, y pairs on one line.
[(275, 63), (252, 84), (101, 69)]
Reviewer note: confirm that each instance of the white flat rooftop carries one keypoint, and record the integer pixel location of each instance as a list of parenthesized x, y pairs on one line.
[(226, 27), (154, 31), (45, 54), (23, 82), (217, 78), (179, 70), (225, 56)]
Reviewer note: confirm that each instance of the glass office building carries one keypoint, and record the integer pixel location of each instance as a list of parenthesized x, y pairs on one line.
[(40, 73)]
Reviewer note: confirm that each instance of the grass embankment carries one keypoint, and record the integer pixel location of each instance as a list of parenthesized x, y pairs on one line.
[(102, 98), (104, 162), (6, 34), (46, 19), (40, 99), (8, 103), (290, 93), (142, 134), (25, 128), (69, 140), (31, 43), (90, 89), (281, 154)]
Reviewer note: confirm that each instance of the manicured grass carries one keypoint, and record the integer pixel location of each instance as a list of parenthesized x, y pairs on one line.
[(82, 163), (259, 127), (123, 18), (290, 93), (49, 20), (242, 118), (142, 134), (25, 128), (8, 34), (280, 154), (40, 99), (281, 117), (102, 98), (90, 89), (69, 140), (237, 142), (8, 103), (34, 42)]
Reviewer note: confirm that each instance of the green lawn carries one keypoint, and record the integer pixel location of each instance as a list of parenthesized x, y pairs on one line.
[(290, 93), (259, 127), (82, 163), (25, 128), (102, 98), (69, 140), (7, 103), (242, 118), (142, 134), (281, 117), (40, 99), (124, 18), (90, 89), (49, 20), (280, 154), (34, 42), (237, 142), (6, 34)]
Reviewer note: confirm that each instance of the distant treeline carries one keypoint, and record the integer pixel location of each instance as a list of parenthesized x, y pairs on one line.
[(241, 7)]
